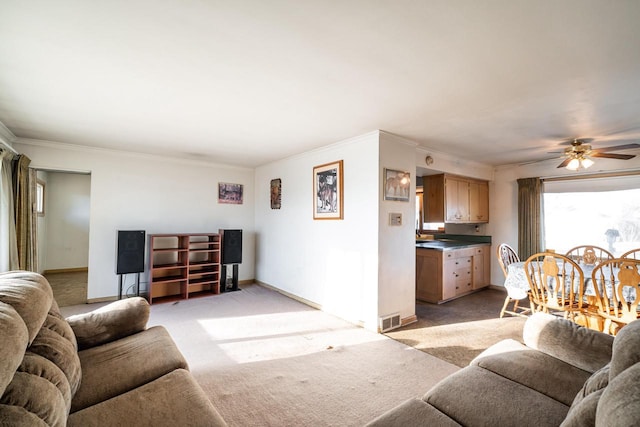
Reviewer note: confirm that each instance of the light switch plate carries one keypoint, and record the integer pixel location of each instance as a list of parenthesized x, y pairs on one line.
[(395, 218)]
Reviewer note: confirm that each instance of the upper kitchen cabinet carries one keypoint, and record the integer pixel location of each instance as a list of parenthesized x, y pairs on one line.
[(455, 199), (479, 201)]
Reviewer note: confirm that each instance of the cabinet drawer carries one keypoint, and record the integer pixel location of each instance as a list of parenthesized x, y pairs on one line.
[(459, 261), (463, 285)]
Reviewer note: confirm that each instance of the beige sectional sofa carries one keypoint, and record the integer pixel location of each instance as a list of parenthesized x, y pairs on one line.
[(103, 368), (564, 375)]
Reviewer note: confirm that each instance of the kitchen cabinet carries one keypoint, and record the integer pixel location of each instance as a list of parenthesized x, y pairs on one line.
[(445, 275), (455, 199), (479, 201)]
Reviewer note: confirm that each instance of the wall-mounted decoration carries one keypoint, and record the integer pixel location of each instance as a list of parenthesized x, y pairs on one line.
[(276, 193), (230, 193), (396, 185), (327, 191)]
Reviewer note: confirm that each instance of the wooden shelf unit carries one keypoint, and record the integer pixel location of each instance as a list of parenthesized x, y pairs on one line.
[(183, 265)]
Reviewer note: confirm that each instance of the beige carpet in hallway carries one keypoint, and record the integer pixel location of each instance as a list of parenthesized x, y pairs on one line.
[(69, 288), (459, 330), (267, 360)]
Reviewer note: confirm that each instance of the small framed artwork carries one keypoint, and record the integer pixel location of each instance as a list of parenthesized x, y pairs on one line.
[(276, 193), (230, 193), (327, 191), (396, 185)]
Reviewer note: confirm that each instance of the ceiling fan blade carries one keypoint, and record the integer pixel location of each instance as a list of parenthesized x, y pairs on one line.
[(564, 163), (536, 161), (613, 156), (615, 148)]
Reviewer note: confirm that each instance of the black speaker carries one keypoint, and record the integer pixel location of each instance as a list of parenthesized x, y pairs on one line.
[(130, 252), (231, 246)]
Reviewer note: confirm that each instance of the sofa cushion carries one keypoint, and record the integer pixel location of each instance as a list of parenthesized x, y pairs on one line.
[(17, 416), (38, 395), (14, 337), (52, 345), (174, 399), (475, 396), (583, 413), (30, 295), (513, 360), (413, 413), (619, 405), (588, 351), (119, 366), (583, 408), (42, 383), (111, 322), (625, 348)]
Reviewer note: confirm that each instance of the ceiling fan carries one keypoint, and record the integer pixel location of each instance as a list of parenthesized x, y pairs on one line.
[(580, 152)]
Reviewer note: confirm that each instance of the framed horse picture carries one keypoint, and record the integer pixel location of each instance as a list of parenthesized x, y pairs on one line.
[(327, 191), (396, 185)]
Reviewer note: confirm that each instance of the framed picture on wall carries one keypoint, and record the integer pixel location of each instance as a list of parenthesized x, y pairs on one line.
[(396, 185), (230, 193), (328, 191), (276, 193)]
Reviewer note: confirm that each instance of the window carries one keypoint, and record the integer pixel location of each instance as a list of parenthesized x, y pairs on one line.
[(40, 198), (604, 212)]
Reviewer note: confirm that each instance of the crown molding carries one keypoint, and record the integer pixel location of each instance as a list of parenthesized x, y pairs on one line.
[(132, 154), (398, 139), (449, 163), (7, 138)]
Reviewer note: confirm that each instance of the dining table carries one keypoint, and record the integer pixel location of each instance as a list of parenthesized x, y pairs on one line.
[(517, 279)]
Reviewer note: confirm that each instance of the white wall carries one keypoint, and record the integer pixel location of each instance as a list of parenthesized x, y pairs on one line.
[(66, 240), (152, 193), (332, 263), (396, 251)]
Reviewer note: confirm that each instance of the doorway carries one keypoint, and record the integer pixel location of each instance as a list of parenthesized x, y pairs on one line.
[(63, 233)]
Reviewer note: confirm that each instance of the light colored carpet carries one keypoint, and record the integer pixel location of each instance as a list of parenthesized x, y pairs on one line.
[(459, 330), (69, 288), (267, 360)]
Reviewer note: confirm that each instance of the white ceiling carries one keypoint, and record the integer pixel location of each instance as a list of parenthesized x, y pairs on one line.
[(249, 82)]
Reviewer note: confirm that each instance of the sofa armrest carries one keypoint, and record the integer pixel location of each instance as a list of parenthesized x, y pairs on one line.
[(579, 346), (111, 322)]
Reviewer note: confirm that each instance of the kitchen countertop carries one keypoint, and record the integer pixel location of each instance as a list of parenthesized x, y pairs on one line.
[(443, 245)]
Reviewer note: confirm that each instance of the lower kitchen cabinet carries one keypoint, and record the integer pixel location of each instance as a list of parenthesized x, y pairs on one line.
[(444, 275)]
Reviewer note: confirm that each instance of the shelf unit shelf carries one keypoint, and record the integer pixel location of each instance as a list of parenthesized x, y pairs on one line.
[(183, 266)]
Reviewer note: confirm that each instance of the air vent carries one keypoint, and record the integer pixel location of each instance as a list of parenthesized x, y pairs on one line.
[(389, 322)]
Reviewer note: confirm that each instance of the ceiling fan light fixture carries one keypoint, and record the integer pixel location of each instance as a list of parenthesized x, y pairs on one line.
[(586, 162), (574, 164)]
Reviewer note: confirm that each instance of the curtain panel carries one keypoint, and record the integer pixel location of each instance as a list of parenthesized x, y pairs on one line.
[(529, 217), (23, 214), (8, 244)]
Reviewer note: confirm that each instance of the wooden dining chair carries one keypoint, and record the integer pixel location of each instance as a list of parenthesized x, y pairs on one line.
[(589, 254), (617, 287), (633, 254), (556, 285), (507, 256)]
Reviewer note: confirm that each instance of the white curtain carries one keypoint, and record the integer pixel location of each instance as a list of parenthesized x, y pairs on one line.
[(8, 242)]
